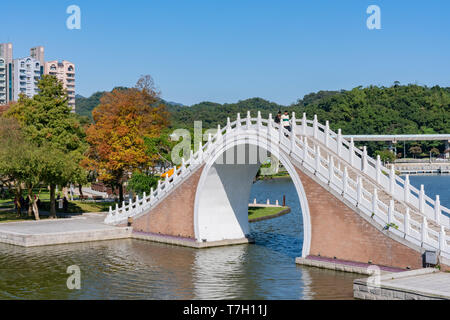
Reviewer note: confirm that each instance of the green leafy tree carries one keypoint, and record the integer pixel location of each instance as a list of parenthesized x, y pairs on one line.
[(435, 151), (48, 123), (142, 182), (415, 150), (22, 169), (386, 155)]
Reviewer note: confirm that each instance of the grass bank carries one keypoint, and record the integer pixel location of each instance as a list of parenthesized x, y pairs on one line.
[(264, 213), (8, 214)]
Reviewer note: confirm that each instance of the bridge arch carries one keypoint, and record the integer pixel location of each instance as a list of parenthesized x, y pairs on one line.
[(223, 190)]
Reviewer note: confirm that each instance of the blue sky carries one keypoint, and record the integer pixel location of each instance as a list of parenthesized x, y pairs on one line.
[(229, 50)]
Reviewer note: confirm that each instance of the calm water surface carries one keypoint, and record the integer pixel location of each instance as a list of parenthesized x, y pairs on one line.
[(133, 269)]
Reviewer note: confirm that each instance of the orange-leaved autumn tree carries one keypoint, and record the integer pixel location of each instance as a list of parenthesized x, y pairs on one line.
[(121, 121)]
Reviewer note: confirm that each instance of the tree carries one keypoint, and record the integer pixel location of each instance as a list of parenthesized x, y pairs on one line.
[(122, 121), (386, 155), (415, 150), (435, 151), (142, 182), (48, 124), (22, 169), (159, 149)]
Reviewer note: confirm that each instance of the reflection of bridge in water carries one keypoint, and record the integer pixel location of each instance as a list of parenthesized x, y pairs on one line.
[(353, 207)]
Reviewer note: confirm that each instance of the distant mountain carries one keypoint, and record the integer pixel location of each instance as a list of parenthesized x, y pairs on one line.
[(84, 106), (171, 103), (211, 113)]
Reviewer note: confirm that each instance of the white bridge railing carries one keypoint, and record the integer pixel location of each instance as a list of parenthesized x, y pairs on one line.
[(342, 155)]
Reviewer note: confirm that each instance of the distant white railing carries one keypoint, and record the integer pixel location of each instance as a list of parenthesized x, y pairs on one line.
[(332, 170)]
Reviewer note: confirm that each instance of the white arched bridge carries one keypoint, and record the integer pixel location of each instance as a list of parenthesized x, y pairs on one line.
[(353, 208)]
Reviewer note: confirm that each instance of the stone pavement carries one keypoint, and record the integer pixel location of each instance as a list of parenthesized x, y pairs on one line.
[(422, 284), (87, 227)]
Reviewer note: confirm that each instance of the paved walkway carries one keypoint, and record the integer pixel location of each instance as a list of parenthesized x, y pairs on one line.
[(57, 225), (437, 283), (88, 227), (422, 284)]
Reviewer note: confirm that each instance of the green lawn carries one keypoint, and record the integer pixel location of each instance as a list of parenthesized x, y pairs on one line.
[(11, 216), (259, 212), (80, 206), (74, 207), (281, 174)]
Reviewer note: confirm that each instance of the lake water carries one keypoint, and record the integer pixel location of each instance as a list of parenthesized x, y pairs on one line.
[(133, 269)]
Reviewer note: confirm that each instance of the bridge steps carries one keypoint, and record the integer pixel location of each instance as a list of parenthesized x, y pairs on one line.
[(369, 184)]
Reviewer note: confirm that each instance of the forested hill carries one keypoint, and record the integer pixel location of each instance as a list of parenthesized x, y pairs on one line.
[(362, 110), (382, 110), (211, 114), (371, 110)]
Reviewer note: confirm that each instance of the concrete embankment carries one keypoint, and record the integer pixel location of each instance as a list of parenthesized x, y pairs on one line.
[(422, 284), (61, 231), (345, 266)]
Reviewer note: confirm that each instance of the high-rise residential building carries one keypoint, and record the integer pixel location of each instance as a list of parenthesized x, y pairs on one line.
[(64, 72), (26, 75), (3, 82), (22, 75), (6, 85), (38, 54)]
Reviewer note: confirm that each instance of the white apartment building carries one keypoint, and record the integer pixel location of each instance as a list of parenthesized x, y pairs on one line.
[(3, 82), (64, 72), (26, 75), (6, 56)]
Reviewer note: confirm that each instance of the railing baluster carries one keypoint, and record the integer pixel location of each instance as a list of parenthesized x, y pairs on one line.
[(339, 143), (200, 152), (375, 201), (304, 124), (406, 222), (248, 121), (437, 209), (305, 148), (317, 159), (351, 151), (228, 129), (378, 169), (422, 199), (392, 180), (406, 189), (391, 211), (327, 133), (442, 239), (315, 127), (424, 230), (364, 160), (345, 181), (358, 191), (331, 170), (238, 121), (269, 125), (293, 124)]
